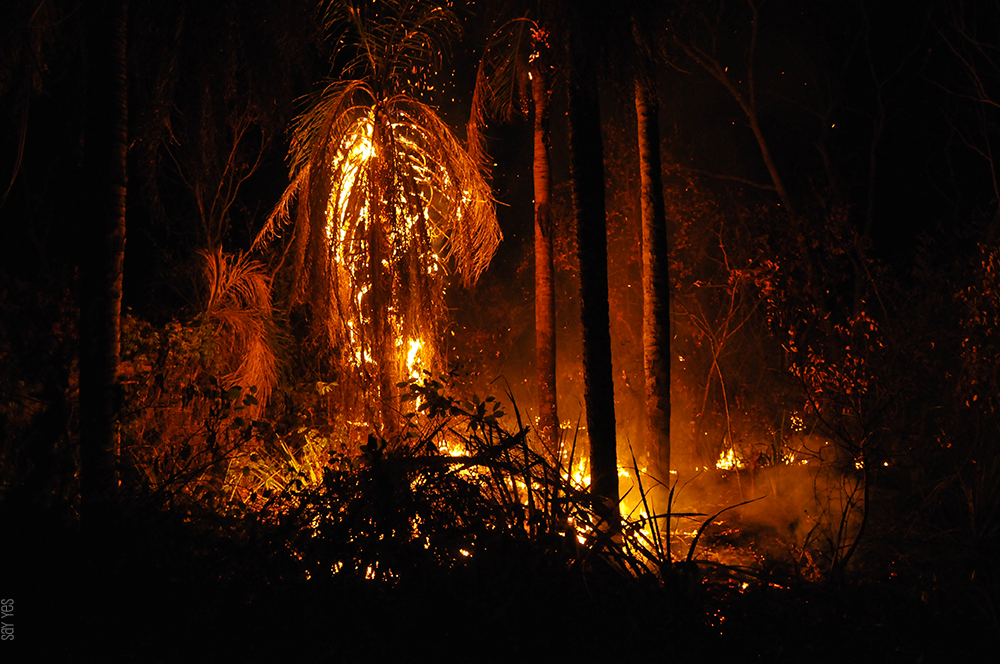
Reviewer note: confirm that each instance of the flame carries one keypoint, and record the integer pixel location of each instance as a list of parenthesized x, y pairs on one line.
[(412, 365), (355, 153), (728, 461), (579, 475)]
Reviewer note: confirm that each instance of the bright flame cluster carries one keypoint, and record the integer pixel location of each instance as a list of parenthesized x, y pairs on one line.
[(728, 460)]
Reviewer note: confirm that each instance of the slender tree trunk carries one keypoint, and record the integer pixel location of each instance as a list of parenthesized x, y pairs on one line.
[(545, 302), (587, 168), (103, 250), (655, 271)]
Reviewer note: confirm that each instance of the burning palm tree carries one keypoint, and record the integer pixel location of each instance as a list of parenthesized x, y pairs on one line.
[(386, 201)]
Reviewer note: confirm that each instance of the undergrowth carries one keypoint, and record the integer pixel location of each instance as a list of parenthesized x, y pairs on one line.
[(458, 535)]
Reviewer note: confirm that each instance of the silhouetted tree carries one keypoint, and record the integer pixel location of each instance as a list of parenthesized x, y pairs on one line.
[(587, 169), (102, 193)]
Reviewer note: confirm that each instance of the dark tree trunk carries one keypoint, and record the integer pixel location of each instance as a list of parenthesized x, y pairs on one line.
[(545, 302), (102, 251), (655, 264), (587, 168)]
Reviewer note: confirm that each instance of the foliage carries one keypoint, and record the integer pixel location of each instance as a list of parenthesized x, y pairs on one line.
[(38, 453)]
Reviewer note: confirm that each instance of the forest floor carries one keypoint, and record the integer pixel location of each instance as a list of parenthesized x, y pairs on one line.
[(159, 588)]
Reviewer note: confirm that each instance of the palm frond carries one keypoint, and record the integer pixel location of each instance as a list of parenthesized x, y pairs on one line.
[(239, 310), (462, 205), (326, 116), (281, 214), (502, 87), (236, 281), (392, 39), (506, 63), (310, 131)]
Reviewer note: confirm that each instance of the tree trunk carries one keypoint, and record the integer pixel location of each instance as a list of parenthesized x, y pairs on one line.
[(587, 169), (655, 274), (103, 249), (545, 302)]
